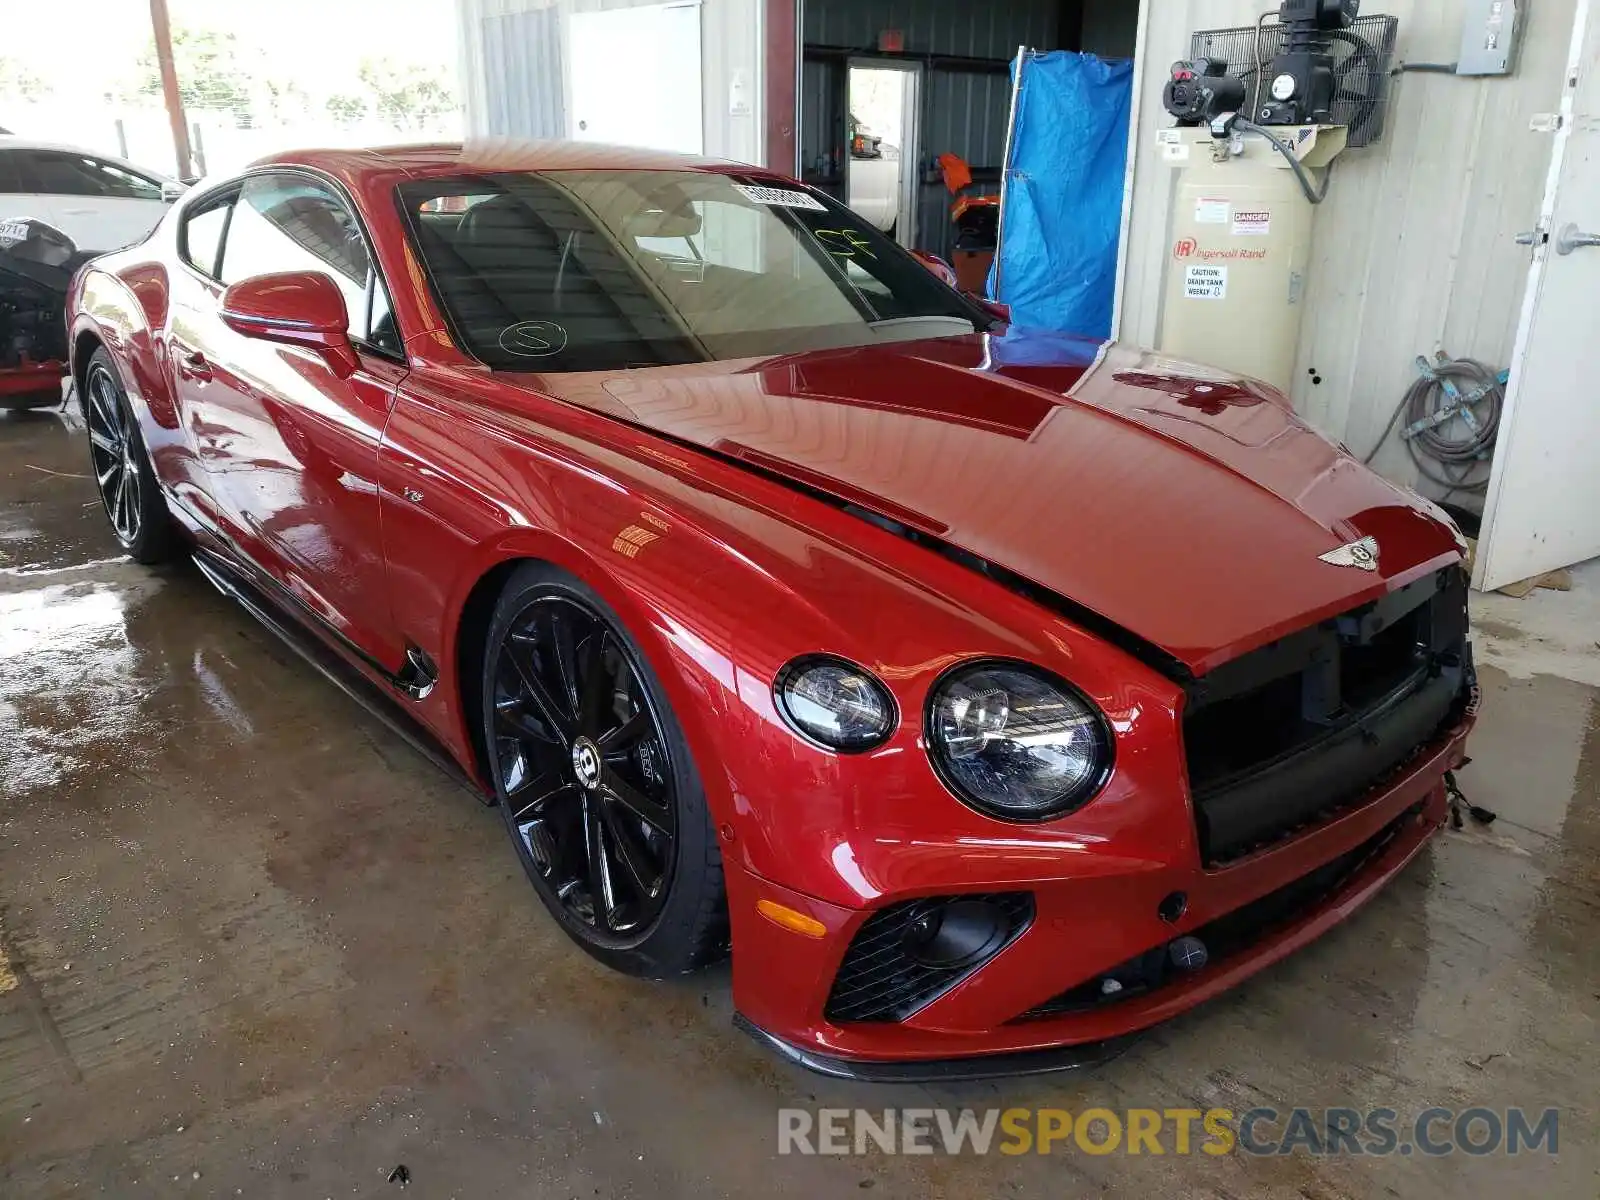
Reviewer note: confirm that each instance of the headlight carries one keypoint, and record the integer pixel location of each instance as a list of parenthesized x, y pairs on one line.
[(835, 702), (1015, 742)]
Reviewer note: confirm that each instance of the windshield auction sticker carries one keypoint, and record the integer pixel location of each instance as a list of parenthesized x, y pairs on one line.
[(782, 197)]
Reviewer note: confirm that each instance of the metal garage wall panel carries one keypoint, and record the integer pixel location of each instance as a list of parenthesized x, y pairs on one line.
[(522, 75), (820, 116), (962, 112), (966, 115), (515, 77), (977, 28), (1414, 247)]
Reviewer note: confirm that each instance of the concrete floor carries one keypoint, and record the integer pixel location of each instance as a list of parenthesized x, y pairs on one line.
[(251, 944)]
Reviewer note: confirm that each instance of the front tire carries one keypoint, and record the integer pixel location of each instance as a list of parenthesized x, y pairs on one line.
[(595, 780), (122, 470)]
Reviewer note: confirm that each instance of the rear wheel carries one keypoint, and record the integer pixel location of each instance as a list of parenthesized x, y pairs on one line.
[(122, 471), (595, 780)]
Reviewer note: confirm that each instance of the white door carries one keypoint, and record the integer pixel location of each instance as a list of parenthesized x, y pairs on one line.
[(635, 77), (1543, 506)]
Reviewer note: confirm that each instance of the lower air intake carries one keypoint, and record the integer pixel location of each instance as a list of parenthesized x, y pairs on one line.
[(908, 955)]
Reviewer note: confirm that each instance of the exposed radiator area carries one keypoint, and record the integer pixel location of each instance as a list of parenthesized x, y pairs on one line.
[(1289, 734)]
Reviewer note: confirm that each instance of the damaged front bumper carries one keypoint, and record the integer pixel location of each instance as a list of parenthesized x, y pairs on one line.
[(1042, 1002)]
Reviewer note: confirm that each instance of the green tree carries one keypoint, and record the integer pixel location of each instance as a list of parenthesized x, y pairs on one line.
[(210, 74), (346, 109), (407, 95), (19, 81), (286, 100)]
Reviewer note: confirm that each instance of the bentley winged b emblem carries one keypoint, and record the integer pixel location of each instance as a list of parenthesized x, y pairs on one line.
[(1362, 554)]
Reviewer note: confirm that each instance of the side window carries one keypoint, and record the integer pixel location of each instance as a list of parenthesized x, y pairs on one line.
[(200, 238), (122, 182), (59, 173), (11, 172), (291, 223)]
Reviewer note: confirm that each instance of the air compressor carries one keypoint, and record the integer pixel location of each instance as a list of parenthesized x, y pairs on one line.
[(1260, 117)]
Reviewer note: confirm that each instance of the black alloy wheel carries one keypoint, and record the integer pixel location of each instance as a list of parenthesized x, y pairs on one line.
[(116, 472), (122, 471), (594, 781)]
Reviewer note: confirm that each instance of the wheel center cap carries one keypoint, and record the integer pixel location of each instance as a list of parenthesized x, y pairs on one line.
[(586, 763)]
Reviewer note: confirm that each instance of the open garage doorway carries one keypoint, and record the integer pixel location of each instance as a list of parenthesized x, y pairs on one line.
[(850, 82), (880, 166)]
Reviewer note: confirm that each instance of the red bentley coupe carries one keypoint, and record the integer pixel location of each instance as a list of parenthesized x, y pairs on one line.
[(991, 694)]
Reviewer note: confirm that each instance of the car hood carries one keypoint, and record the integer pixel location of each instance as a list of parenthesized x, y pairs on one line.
[(1184, 504)]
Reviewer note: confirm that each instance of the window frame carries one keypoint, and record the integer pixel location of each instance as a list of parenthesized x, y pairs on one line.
[(376, 278)]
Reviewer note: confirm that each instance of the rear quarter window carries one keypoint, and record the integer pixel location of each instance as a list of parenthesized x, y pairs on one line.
[(201, 232)]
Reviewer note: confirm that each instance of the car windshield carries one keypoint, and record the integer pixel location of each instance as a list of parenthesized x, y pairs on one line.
[(604, 270)]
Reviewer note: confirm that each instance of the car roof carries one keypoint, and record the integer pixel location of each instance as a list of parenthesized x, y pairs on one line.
[(478, 156), (11, 141)]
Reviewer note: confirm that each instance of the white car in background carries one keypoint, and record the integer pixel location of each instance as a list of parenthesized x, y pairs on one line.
[(873, 183), (99, 201)]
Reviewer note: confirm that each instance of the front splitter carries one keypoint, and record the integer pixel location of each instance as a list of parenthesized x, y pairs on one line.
[(1011, 1064)]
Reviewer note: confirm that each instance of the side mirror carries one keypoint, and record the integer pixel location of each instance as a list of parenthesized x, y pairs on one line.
[(942, 269), (997, 309), (297, 308)]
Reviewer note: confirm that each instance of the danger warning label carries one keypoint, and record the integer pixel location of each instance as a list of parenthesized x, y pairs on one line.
[(1252, 224)]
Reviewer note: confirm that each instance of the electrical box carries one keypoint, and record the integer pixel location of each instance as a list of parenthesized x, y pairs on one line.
[(1490, 36)]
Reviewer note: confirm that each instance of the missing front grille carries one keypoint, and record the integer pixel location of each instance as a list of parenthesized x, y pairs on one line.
[(1278, 738)]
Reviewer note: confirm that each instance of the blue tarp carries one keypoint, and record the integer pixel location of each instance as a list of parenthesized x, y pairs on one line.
[(1063, 196)]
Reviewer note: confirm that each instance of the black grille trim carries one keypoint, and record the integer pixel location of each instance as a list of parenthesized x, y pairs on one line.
[(878, 981), (1230, 934)]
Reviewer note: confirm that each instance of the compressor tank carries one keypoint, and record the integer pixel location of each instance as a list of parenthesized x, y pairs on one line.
[(1239, 247)]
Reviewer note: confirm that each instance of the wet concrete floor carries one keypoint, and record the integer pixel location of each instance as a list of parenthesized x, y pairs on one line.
[(252, 944)]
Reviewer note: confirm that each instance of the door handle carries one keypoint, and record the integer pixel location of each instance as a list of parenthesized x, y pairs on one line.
[(1572, 238), (195, 364)]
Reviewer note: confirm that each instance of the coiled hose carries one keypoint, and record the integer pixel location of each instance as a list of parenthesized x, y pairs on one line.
[(1428, 437)]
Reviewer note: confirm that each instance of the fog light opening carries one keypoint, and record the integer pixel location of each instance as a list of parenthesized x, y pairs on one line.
[(955, 934)]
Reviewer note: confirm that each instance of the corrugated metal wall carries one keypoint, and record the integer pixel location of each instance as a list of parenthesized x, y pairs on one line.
[(522, 88), (965, 114), (515, 78), (822, 114), (1414, 245), (1110, 27), (963, 111), (975, 28)]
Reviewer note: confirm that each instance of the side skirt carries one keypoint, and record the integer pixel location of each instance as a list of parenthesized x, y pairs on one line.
[(233, 582)]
